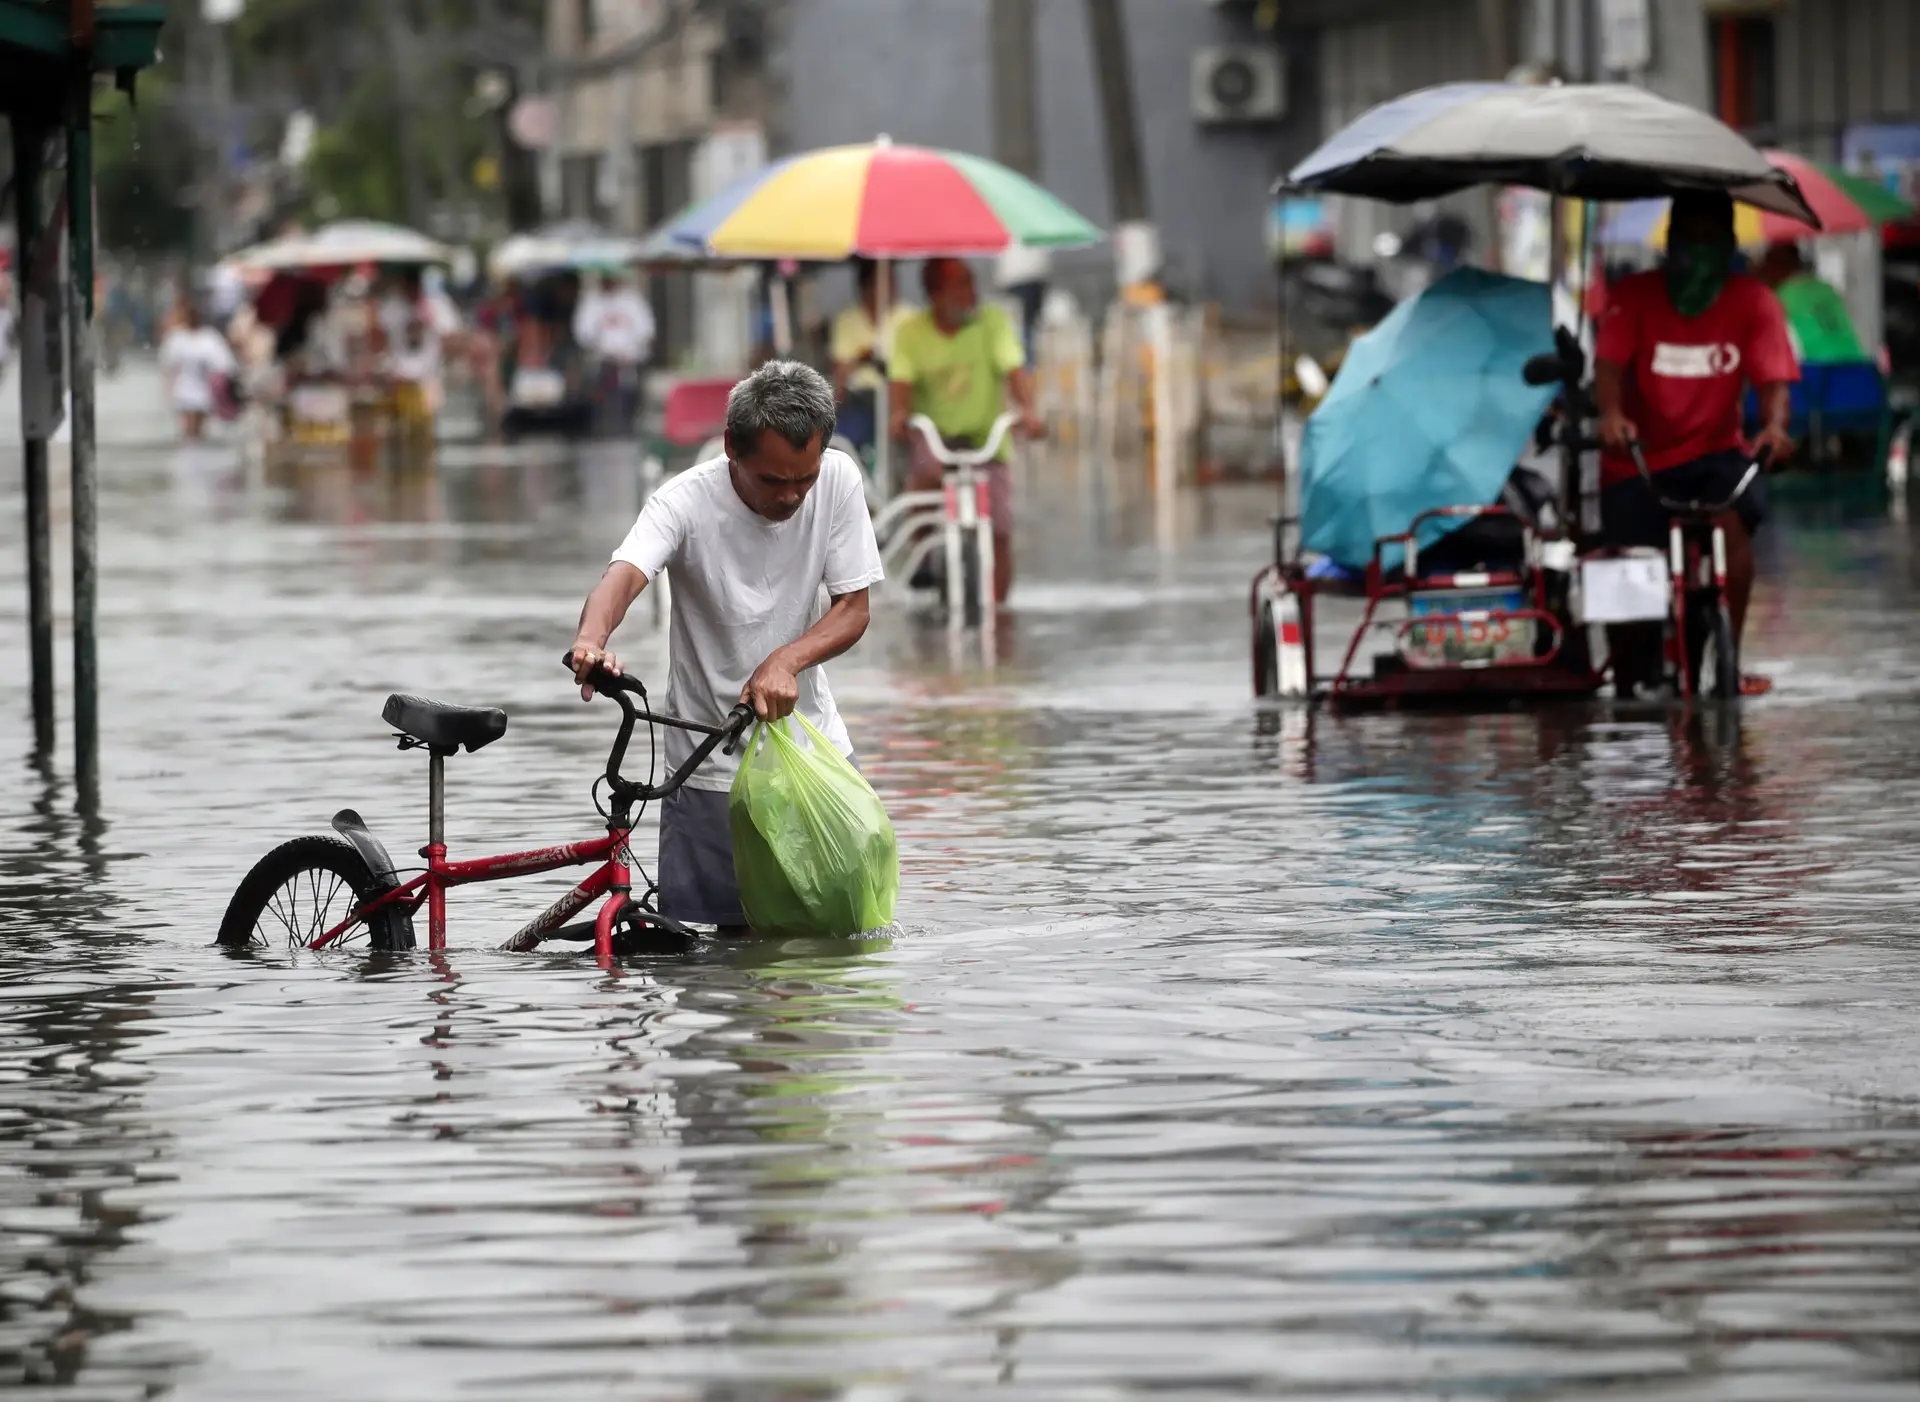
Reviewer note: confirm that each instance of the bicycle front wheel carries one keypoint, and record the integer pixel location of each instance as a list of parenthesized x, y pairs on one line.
[(302, 889), (1720, 668)]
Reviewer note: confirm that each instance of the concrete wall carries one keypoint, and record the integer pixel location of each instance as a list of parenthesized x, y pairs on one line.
[(917, 70), (1842, 62)]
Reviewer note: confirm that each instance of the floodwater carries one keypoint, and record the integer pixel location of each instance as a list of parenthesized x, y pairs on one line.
[(1221, 1052)]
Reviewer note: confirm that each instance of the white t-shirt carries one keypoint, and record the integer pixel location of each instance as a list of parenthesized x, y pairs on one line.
[(743, 586), (193, 358), (616, 326), (414, 331)]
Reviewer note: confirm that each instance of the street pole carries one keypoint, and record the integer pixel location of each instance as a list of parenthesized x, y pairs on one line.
[(1120, 120), (1496, 44), (1016, 117), (86, 657), (29, 164)]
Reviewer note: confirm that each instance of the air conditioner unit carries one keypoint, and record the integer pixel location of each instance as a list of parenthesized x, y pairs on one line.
[(1239, 83)]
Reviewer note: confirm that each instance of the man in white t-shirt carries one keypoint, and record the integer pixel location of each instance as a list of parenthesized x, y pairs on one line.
[(614, 325), (751, 539)]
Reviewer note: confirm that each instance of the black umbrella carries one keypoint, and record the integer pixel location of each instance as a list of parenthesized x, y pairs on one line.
[(1598, 141)]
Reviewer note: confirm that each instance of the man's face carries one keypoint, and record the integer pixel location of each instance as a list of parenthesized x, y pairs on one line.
[(777, 476), (952, 296), (1697, 226)]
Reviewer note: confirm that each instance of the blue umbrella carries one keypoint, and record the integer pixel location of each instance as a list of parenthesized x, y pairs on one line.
[(1429, 409)]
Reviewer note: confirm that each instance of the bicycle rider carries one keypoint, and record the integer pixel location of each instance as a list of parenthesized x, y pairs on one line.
[(1676, 350), (957, 362), (751, 538)]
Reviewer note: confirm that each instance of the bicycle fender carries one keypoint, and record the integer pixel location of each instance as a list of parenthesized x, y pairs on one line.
[(353, 827)]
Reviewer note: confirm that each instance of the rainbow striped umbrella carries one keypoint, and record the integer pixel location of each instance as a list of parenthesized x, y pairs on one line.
[(879, 200)]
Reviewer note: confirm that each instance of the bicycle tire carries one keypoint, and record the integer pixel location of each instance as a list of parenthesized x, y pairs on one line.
[(1726, 656), (347, 882), (970, 575), (1266, 653)]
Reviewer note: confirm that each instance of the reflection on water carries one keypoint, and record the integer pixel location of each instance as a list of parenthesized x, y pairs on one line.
[(1224, 1050)]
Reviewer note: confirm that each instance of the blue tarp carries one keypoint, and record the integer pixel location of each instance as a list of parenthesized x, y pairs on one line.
[(1428, 410)]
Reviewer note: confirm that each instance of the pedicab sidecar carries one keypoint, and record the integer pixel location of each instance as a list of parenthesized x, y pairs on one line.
[(1411, 507)]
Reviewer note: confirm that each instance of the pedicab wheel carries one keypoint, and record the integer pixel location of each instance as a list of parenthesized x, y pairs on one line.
[(302, 889), (1266, 653)]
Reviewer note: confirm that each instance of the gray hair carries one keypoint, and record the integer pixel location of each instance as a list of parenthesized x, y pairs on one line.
[(793, 400)]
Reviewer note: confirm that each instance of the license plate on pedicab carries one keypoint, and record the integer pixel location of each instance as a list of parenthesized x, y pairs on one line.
[(1467, 629)]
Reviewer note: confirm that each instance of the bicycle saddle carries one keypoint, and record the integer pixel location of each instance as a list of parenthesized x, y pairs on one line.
[(443, 727)]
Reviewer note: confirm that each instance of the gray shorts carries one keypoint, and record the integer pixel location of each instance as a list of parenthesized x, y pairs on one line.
[(696, 858)]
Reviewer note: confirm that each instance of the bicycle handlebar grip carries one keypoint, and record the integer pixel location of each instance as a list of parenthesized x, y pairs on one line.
[(738, 719), (600, 679)]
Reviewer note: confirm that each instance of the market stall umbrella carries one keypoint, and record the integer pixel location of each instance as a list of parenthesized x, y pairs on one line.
[(1595, 141), (1846, 204), (574, 246), (879, 200), (660, 252), (348, 243), (1429, 409)]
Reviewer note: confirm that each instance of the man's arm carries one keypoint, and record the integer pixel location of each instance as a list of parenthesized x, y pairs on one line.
[(899, 406), (1020, 390), (774, 688), (1609, 396), (605, 607), (1776, 413)]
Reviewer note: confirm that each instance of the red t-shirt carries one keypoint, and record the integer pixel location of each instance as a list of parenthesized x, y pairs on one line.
[(1686, 378)]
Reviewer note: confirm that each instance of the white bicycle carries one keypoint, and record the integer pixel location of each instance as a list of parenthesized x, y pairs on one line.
[(953, 525)]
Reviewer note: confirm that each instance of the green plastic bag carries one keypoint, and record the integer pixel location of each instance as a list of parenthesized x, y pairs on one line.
[(813, 848)]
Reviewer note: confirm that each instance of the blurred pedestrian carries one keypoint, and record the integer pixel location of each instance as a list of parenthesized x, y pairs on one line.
[(198, 367), (614, 325), (958, 363), (859, 350), (1022, 274), (1817, 316)]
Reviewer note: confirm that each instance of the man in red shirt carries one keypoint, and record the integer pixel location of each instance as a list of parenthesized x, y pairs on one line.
[(1677, 349)]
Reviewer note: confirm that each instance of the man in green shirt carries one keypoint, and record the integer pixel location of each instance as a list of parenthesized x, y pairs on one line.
[(958, 362), (1817, 315)]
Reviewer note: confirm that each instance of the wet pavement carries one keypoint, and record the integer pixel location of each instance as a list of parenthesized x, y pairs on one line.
[(1222, 1051)]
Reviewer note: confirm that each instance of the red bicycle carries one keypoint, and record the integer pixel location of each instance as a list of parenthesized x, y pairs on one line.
[(326, 892)]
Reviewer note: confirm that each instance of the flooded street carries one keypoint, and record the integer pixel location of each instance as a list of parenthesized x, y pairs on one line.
[(1222, 1051)]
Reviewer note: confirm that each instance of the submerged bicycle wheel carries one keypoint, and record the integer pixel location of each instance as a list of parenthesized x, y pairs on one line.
[(302, 889)]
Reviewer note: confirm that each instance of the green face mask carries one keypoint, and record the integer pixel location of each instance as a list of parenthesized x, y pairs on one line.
[(1696, 273)]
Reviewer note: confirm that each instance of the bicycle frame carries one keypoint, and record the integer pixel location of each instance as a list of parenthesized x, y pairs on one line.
[(962, 506), (612, 879), (1696, 557)]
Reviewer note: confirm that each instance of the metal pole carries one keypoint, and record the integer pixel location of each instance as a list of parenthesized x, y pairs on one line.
[(1016, 116), (1120, 118), (29, 151), (86, 664), (883, 400)]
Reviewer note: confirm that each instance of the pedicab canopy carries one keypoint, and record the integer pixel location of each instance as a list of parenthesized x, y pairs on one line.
[(1595, 141), (1429, 409)]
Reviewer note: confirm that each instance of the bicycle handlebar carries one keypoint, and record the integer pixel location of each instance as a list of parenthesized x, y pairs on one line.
[(623, 688), (964, 457), (1699, 508)]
